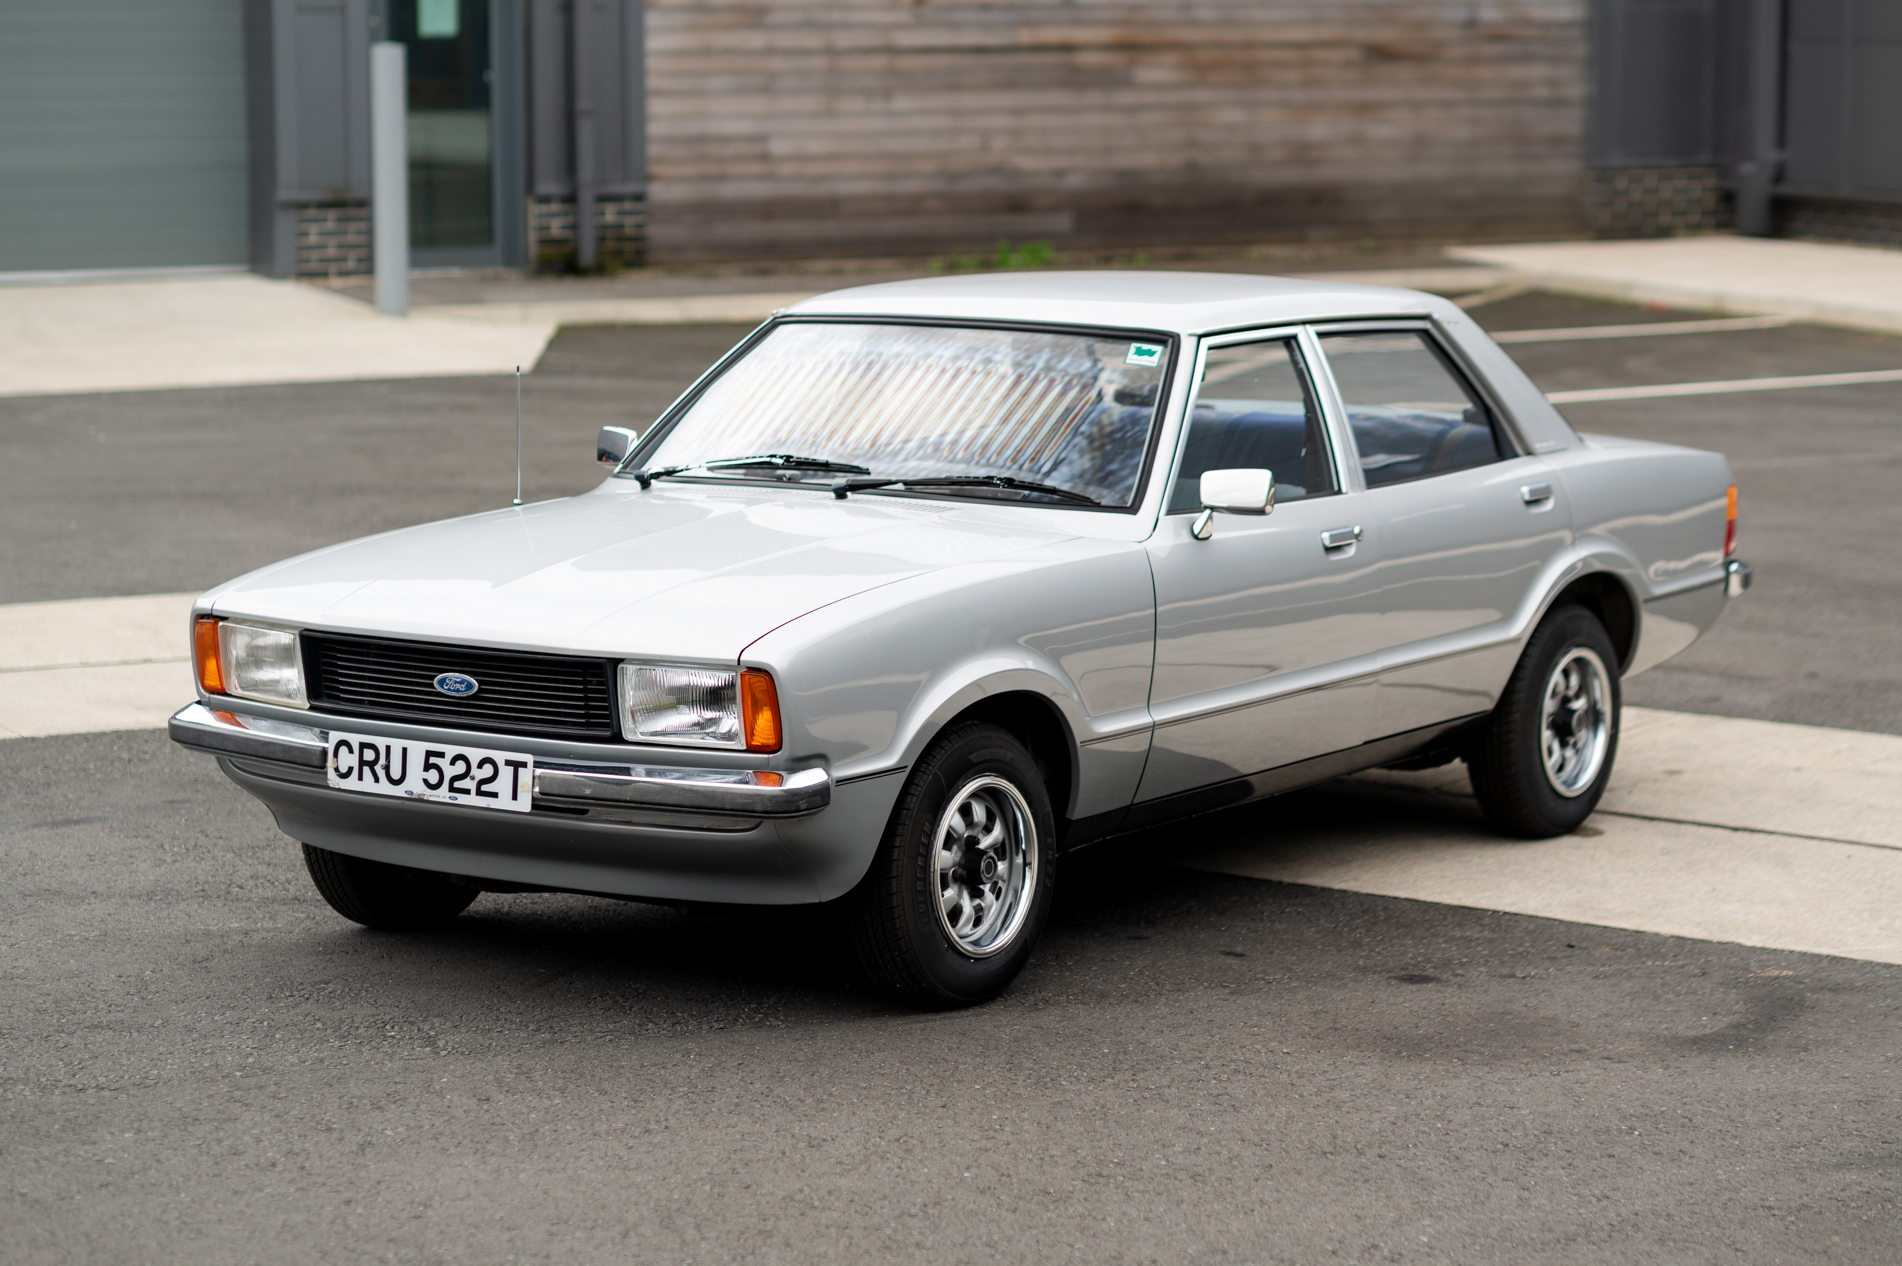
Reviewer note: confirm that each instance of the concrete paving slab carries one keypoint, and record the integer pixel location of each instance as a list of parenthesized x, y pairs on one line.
[(1850, 286), (749, 309), (1805, 781), (1749, 888), (94, 631), (229, 331), (45, 701)]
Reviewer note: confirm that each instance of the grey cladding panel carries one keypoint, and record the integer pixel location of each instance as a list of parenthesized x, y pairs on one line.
[(1654, 83), (322, 145), (123, 143), (618, 65), (323, 58), (1875, 130), (1844, 96)]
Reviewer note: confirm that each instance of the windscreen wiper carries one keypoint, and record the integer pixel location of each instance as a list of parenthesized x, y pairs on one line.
[(846, 486), (778, 461)]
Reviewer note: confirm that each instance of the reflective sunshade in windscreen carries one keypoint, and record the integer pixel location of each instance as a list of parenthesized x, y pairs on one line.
[(1074, 411)]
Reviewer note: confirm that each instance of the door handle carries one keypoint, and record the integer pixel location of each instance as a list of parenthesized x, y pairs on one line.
[(1335, 538), (1533, 494)]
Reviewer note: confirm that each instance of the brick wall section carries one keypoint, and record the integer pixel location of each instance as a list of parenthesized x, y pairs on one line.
[(1822, 220), (1656, 201), (333, 239), (620, 222), (877, 126)]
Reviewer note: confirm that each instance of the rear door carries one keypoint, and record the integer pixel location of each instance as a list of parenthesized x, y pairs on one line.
[(1465, 522), (1266, 638)]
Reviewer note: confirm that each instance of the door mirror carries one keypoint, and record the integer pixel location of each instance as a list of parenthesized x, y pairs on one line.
[(1241, 490), (615, 443)]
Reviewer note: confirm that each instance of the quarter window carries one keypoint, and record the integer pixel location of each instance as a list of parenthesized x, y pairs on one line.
[(1254, 409), (1410, 413)]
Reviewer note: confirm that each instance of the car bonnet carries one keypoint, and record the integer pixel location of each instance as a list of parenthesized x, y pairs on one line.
[(682, 571)]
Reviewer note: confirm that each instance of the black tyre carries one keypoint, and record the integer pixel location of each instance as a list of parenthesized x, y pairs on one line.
[(1542, 761), (957, 896), (379, 895)]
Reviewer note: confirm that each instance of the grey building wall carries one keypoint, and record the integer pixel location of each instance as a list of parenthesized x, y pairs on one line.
[(122, 134)]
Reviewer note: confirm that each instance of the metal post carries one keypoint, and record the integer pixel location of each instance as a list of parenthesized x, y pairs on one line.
[(518, 435), (389, 176), (1756, 175), (586, 150)]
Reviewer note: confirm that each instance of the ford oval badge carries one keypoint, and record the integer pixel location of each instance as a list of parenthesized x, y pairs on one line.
[(461, 685)]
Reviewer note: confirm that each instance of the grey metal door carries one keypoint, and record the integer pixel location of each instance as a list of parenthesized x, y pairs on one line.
[(122, 135)]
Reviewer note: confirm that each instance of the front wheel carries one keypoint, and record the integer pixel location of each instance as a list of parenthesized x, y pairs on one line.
[(379, 895), (958, 893), (1544, 757)]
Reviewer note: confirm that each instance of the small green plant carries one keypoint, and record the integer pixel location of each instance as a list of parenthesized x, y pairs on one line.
[(1026, 255), (1140, 259)]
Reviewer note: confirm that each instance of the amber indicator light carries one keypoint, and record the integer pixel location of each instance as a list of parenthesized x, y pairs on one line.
[(759, 709), (211, 678), (1730, 524)]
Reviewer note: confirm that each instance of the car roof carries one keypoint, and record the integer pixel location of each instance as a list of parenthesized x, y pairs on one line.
[(1184, 303)]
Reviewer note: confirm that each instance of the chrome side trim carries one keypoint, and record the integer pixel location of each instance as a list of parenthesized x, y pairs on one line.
[(236, 734), (707, 790)]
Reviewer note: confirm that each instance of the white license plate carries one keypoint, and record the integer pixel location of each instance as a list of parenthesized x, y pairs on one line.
[(473, 776)]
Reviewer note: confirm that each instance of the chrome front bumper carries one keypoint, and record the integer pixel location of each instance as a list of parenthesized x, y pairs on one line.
[(682, 789)]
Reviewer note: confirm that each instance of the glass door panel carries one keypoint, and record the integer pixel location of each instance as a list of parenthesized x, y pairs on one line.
[(451, 133)]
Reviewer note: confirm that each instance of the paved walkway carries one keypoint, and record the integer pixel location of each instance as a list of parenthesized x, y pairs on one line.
[(232, 330), (1851, 286), (1784, 836)]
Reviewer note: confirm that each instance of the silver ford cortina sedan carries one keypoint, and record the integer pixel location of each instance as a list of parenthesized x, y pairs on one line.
[(925, 583)]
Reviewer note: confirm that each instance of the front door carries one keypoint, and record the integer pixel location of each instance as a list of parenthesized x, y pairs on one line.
[(1267, 638)]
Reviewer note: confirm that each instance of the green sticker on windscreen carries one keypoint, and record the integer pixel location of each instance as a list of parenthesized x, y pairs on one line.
[(1143, 354)]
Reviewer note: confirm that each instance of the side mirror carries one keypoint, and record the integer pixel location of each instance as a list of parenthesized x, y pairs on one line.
[(1241, 490), (615, 443)]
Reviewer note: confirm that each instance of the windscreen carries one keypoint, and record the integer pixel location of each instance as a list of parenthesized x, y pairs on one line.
[(1069, 410)]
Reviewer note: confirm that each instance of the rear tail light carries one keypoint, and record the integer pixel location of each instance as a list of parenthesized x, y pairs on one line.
[(1730, 524), (211, 677)]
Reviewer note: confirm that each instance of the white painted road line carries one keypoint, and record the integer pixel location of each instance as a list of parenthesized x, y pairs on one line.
[(1724, 387), (1653, 329)]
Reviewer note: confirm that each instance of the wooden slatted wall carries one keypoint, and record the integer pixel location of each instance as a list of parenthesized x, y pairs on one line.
[(887, 126)]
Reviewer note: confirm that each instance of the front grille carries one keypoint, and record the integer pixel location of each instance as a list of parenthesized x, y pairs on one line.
[(518, 692)]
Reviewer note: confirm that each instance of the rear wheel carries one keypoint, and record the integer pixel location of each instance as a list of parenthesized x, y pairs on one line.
[(959, 890), (379, 895), (1544, 758)]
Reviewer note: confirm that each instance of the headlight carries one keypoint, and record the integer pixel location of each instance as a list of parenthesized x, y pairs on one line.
[(261, 663), (705, 707)]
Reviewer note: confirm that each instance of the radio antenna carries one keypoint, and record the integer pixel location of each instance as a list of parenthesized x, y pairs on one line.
[(518, 435)]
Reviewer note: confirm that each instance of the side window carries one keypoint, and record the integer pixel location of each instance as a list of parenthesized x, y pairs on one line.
[(1254, 408), (1411, 415)]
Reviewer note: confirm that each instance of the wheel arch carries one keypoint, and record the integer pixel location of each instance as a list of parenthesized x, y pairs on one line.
[(1608, 598), (1036, 722)]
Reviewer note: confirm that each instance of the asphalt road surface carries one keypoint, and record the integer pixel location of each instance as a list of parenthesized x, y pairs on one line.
[(199, 1062)]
